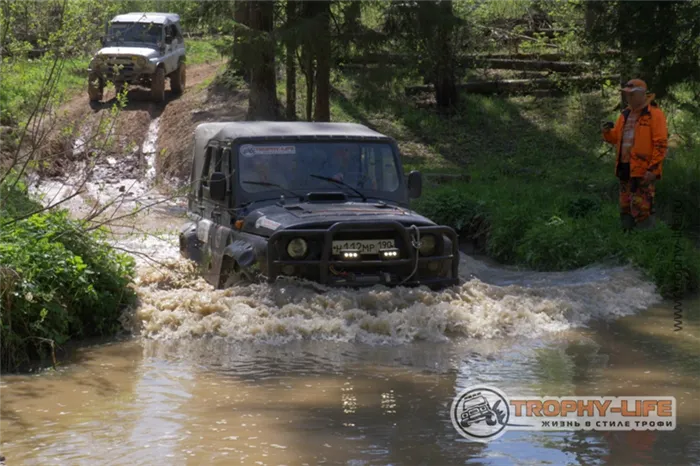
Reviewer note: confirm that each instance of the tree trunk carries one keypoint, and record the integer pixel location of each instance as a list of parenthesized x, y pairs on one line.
[(627, 52), (308, 52), (323, 63), (262, 102), (307, 66), (590, 15), (445, 82), (241, 41), (291, 69)]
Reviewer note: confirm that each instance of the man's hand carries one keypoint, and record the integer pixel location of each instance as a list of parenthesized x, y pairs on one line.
[(338, 177), (649, 177)]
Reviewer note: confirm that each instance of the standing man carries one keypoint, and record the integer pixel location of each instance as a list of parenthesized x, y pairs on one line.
[(641, 138)]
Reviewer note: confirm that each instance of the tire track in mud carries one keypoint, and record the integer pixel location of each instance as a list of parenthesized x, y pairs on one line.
[(123, 174)]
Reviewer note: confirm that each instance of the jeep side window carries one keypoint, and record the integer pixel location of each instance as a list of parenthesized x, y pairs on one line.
[(204, 176), (212, 163), (171, 34)]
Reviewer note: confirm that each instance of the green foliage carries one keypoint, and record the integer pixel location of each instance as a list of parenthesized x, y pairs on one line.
[(542, 192), (25, 81), (667, 52), (59, 281)]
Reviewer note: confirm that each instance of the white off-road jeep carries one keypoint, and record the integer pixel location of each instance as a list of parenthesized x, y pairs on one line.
[(141, 49)]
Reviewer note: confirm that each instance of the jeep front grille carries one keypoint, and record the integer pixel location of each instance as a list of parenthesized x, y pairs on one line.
[(123, 64)]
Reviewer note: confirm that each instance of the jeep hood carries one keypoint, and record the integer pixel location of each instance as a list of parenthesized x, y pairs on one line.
[(121, 50), (268, 219)]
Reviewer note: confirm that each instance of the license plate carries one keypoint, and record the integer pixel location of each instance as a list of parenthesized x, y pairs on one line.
[(365, 246)]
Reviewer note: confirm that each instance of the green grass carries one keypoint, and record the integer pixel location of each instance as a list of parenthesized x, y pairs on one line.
[(23, 80), (201, 51), (542, 192)]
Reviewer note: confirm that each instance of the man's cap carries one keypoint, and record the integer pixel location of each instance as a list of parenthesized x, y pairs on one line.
[(634, 85)]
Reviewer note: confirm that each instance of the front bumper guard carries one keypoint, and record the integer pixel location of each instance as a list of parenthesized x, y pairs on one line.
[(275, 264)]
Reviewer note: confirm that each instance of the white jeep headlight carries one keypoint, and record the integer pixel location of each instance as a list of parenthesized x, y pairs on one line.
[(297, 248), (427, 245)]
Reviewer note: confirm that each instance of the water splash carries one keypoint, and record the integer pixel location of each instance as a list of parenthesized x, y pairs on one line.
[(150, 148), (489, 303)]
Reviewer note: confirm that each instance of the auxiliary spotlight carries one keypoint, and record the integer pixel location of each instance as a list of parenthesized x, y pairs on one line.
[(350, 254), (389, 253)]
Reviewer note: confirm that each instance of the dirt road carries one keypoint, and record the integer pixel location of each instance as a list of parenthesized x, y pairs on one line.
[(127, 159)]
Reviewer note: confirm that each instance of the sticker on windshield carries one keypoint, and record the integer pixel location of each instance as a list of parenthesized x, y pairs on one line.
[(264, 222), (249, 150)]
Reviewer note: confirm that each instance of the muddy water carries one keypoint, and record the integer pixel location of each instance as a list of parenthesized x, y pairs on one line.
[(290, 374), (297, 374)]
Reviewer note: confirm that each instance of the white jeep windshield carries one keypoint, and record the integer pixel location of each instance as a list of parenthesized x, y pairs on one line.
[(148, 33), (367, 167)]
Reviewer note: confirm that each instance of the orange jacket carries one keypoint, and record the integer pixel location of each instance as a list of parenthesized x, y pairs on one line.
[(650, 140)]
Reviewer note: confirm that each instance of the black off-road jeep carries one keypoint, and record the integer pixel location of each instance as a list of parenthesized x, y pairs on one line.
[(327, 202)]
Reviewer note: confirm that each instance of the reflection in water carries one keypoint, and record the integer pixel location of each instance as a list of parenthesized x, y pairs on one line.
[(212, 401), (284, 375)]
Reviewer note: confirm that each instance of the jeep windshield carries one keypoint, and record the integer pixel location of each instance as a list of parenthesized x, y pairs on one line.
[(140, 33), (369, 167)]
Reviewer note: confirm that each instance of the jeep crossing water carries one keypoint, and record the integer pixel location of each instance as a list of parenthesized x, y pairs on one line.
[(326, 202)]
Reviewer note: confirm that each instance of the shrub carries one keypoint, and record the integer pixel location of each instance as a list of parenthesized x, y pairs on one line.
[(58, 282), (587, 231)]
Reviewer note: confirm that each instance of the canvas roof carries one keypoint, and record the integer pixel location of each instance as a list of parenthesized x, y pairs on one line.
[(205, 132), (141, 17)]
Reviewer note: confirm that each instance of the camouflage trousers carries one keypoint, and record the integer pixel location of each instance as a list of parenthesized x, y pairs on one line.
[(637, 198)]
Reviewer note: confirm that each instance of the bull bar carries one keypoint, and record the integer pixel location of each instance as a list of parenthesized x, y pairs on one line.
[(275, 263)]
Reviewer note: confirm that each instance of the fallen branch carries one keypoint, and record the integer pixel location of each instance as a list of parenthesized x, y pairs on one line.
[(395, 59), (534, 65), (517, 85)]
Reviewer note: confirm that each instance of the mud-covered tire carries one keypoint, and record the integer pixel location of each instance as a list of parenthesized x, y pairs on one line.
[(178, 79), (158, 85), (230, 274), (95, 89)]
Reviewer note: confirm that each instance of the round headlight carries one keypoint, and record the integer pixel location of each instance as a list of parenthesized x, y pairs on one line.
[(427, 246), (297, 248)]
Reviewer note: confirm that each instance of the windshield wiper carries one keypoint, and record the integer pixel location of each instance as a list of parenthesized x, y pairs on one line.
[(342, 183), (275, 185)]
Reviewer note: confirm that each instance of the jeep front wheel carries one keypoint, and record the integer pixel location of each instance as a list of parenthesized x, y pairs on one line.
[(178, 78), (158, 85), (230, 273), (95, 89)]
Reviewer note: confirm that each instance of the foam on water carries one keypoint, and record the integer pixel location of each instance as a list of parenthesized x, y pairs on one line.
[(150, 147), (176, 303)]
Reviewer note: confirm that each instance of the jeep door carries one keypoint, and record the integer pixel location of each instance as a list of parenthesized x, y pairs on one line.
[(216, 216), (173, 43)]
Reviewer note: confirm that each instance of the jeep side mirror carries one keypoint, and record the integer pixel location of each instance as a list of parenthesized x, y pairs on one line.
[(217, 186), (415, 184)]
